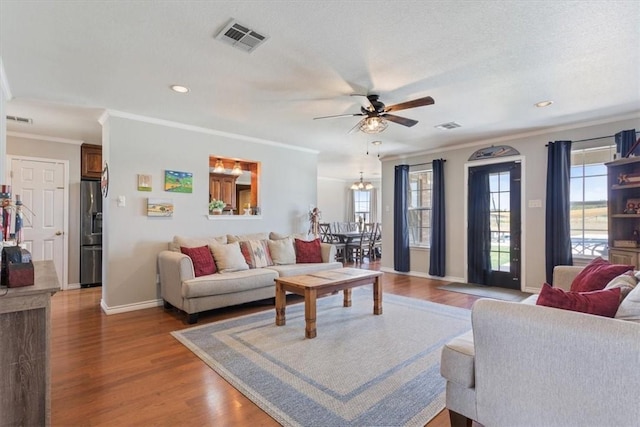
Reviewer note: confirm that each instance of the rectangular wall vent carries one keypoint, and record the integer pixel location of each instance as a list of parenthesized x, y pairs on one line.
[(20, 119), (448, 126), (241, 36)]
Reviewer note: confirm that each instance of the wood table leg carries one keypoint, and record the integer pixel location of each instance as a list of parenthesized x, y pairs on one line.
[(377, 296), (347, 298), (310, 313), (281, 304)]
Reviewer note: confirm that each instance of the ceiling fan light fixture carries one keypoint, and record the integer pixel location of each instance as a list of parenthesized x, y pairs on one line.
[(218, 167), (373, 124), (237, 169)]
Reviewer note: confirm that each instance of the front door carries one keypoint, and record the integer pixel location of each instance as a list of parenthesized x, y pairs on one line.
[(41, 187), (504, 222)]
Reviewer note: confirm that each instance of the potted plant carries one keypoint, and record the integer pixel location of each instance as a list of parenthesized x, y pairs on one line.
[(216, 206)]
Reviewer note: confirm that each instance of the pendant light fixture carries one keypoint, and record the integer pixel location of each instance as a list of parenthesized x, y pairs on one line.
[(218, 167), (361, 185), (237, 169)]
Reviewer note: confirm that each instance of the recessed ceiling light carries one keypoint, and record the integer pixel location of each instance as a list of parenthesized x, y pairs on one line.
[(179, 88), (543, 104)]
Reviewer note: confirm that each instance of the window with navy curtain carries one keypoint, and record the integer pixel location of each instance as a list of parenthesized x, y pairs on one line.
[(479, 227), (401, 219), (437, 256), (557, 218)]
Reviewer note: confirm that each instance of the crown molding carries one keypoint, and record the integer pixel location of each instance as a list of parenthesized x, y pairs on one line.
[(45, 138), (124, 115), (508, 138)]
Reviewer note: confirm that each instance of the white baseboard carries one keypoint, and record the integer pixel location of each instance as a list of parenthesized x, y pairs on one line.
[(129, 307)]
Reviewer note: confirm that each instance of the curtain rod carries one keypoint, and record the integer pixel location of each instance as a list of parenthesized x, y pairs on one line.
[(599, 137), (427, 163)]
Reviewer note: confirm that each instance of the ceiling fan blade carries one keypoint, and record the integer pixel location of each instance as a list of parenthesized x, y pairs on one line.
[(356, 127), (400, 120), (420, 102), (339, 115), (369, 106)]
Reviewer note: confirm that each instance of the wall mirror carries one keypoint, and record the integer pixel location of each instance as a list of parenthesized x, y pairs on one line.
[(235, 182)]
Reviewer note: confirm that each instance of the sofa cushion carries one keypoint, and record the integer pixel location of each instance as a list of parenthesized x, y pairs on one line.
[(282, 251), (601, 303), (201, 259), (192, 242), (256, 253), (629, 308), (228, 257), (595, 275), (219, 284), (308, 252), (457, 361), (246, 237), (626, 282)]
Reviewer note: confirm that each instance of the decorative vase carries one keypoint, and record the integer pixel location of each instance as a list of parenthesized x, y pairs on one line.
[(217, 211)]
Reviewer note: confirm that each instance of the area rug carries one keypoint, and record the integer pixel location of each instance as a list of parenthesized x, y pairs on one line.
[(360, 370), (494, 292)]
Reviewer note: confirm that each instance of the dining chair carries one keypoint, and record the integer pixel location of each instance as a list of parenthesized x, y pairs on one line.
[(375, 242), (359, 248), (324, 228), (339, 245)]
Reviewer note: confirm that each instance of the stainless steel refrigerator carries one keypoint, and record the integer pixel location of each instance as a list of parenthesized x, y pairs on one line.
[(90, 233)]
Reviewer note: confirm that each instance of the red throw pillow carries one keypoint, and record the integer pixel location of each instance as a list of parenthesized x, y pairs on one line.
[(601, 303), (597, 274), (202, 260), (308, 251)]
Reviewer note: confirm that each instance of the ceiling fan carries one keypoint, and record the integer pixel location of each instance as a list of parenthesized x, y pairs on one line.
[(376, 114)]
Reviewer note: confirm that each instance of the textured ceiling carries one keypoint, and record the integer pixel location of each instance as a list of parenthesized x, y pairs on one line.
[(484, 62)]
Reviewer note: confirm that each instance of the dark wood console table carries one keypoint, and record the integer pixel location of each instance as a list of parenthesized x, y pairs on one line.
[(25, 331)]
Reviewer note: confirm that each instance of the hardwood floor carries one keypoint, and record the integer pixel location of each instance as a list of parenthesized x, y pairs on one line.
[(126, 369)]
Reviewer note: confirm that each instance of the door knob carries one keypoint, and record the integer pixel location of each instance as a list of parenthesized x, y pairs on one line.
[(58, 233)]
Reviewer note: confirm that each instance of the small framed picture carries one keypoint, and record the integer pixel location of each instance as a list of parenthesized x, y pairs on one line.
[(178, 182), (144, 182), (160, 207)]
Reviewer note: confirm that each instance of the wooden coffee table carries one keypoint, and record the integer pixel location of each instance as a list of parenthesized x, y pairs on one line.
[(323, 282)]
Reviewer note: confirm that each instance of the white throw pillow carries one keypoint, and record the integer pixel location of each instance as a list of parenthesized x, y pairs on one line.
[(282, 251), (629, 308), (195, 242), (228, 257), (626, 282)]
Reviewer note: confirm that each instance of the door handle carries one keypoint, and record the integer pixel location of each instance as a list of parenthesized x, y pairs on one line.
[(58, 233)]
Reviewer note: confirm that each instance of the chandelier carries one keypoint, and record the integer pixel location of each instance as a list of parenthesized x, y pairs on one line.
[(373, 124), (361, 185)]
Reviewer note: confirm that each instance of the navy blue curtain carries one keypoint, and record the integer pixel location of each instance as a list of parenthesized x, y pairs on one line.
[(625, 140), (557, 230), (479, 228), (401, 219), (437, 257)]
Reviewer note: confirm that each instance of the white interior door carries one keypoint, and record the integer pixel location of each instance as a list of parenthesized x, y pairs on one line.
[(41, 187)]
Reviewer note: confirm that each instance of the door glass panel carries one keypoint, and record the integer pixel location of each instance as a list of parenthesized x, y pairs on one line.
[(500, 211)]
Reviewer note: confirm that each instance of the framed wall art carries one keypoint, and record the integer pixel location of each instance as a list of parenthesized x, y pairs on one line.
[(144, 182), (159, 207), (178, 182)]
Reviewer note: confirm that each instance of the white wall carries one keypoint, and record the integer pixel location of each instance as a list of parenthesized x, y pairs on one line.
[(534, 188), (132, 240), (332, 199)]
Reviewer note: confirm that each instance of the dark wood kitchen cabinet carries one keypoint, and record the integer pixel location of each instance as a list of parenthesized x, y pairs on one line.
[(90, 161), (223, 187)]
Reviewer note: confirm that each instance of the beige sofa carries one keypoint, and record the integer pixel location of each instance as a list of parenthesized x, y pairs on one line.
[(180, 288), (528, 365)]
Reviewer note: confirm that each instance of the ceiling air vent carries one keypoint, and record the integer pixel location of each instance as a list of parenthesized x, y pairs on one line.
[(448, 126), (241, 36), (20, 119)]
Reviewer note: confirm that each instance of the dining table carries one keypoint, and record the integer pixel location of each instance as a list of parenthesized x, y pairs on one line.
[(347, 237)]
